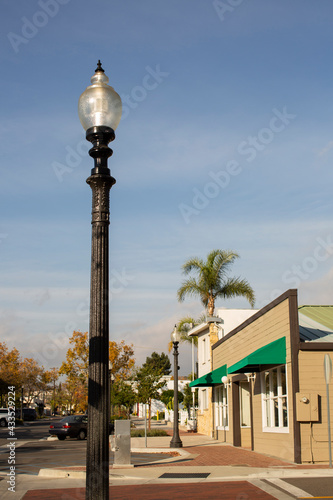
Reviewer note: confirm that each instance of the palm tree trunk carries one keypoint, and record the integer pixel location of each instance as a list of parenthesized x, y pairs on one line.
[(211, 305)]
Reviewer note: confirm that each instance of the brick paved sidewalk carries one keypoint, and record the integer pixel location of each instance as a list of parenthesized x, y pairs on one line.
[(240, 490), (227, 456)]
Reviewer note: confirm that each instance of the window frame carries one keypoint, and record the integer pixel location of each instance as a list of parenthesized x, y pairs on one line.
[(222, 407), (279, 397), (241, 400), (203, 399)]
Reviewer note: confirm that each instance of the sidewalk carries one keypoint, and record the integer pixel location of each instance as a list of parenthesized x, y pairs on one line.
[(203, 468)]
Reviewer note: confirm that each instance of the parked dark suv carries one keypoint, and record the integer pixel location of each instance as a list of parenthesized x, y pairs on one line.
[(28, 413)]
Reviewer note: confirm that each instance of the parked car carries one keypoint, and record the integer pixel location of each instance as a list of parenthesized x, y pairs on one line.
[(72, 426), (3, 417), (28, 413)]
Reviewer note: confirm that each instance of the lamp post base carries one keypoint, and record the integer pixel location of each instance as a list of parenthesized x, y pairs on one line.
[(176, 443)]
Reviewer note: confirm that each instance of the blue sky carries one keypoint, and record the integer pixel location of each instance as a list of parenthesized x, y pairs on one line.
[(226, 142)]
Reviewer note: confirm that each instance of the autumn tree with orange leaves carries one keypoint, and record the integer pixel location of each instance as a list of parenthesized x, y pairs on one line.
[(76, 365), (21, 373)]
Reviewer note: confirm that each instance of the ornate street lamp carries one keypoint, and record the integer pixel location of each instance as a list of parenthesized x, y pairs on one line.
[(99, 112), (175, 441)]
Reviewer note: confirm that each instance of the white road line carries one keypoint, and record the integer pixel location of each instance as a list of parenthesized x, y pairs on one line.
[(289, 488)]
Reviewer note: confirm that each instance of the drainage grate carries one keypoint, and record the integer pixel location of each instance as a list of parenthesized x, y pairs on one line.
[(190, 475)]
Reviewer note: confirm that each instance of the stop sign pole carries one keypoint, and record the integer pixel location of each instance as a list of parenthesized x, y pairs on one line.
[(328, 375)]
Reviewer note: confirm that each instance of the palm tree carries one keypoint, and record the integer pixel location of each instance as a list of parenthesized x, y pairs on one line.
[(184, 326), (212, 281)]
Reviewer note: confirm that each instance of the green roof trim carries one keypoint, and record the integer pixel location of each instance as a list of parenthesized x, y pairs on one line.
[(272, 354), (211, 378), (321, 314)]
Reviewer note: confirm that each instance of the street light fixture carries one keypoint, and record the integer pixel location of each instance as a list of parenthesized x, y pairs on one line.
[(175, 441), (99, 112)]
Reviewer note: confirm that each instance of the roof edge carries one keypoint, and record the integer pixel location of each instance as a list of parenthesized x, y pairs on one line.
[(292, 292)]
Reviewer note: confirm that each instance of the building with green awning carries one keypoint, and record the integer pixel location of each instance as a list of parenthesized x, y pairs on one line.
[(272, 398)]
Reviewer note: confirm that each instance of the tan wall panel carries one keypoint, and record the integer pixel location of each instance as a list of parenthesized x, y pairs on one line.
[(252, 338), (314, 438), (245, 437)]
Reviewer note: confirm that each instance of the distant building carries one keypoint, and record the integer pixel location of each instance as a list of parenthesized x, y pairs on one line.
[(158, 406), (224, 321)]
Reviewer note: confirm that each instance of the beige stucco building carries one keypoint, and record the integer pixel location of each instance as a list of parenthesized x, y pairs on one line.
[(273, 395)]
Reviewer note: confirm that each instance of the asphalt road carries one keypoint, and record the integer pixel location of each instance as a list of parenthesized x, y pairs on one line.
[(318, 487), (32, 451), (35, 430)]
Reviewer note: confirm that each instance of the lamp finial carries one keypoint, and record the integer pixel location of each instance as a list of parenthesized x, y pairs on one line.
[(99, 67)]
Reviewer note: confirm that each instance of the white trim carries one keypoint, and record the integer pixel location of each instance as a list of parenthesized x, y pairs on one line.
[(280, 429), (221, 407)]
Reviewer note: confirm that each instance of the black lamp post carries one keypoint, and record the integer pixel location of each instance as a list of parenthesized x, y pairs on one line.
[(175, 441), (99, 112)]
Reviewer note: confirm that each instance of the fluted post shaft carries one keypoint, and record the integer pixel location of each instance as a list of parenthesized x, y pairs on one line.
[(175, 441), (100, 181)]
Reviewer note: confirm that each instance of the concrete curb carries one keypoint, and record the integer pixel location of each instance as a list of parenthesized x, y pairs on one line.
[(69, 472), (217, 473)]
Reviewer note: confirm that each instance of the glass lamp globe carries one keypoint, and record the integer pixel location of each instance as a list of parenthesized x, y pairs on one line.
[(175, 336), (99, 104)]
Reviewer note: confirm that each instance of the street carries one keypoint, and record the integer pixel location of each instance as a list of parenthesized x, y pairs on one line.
[(32, 451), (34, 430)]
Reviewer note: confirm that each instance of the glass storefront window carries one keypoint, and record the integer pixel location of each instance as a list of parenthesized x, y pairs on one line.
[(244, 388), (275, 401), (221, 405)]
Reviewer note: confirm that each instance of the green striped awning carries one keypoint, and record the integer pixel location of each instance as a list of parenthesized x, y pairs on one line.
[(211, 378), (270, 355)]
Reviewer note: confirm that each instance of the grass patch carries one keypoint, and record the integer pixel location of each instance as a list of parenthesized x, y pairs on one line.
[(151, 433)]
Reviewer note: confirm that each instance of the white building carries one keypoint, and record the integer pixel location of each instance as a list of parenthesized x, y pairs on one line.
[(225, 320), (158, 406)]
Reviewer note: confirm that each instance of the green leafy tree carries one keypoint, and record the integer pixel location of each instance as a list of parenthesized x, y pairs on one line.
[(149, 378), (212, 281), (123, 396), (188, 398), (167, 397), (159, 363)]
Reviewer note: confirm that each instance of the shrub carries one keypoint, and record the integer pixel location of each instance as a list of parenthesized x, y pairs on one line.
[(151, 433), (161, 416)]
